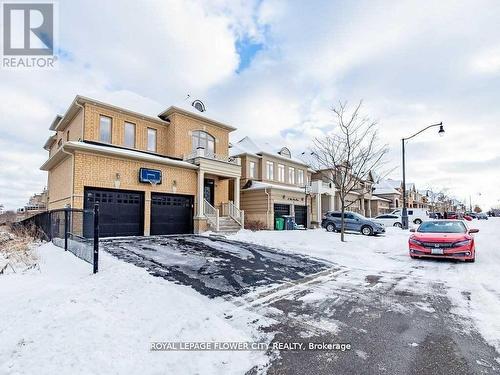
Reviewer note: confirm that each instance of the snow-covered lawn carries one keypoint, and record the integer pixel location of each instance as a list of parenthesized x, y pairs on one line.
[(61, 319), (473, 288)]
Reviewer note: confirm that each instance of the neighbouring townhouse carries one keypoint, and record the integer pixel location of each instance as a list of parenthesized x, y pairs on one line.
[(274, 184), (150, 175), (327, 197)]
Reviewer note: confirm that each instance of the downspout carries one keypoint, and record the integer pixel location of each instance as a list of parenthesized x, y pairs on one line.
[(267, 213)]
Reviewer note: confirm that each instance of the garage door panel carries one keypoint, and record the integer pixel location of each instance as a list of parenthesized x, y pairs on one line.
[(121, 213), (281, 210), (171, 214), (300, 215)]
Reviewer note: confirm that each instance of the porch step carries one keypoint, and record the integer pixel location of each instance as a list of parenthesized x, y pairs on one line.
[(227, 225)]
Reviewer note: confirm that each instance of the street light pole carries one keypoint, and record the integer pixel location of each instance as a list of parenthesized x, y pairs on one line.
[(404, 212)]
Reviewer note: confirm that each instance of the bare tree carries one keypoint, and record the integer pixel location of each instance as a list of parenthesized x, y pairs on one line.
[(346, 156)]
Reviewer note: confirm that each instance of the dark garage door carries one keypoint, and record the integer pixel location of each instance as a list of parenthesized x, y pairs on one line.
[(281, 209), (171, 213), (301, 215), (121, 212)]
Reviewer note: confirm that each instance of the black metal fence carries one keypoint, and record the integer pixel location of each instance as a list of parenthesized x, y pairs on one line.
[(72, 229)]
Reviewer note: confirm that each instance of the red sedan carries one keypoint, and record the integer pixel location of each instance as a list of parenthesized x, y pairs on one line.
[(449, 239)]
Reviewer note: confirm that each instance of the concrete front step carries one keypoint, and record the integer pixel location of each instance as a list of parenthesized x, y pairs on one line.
[(227, 225)]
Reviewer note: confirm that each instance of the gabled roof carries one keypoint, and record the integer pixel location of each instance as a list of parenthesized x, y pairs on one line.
[(249, 147), (385, 187), (79, 100), (190, 113)]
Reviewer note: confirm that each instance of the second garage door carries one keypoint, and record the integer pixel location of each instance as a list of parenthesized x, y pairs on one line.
[(171, 214), (301, 215)]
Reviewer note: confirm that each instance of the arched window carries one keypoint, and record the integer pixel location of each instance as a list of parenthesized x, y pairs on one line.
[(285, 152), (204, 140)]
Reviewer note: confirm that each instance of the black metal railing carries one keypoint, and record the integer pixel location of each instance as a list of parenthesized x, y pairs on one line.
[(72, 229)]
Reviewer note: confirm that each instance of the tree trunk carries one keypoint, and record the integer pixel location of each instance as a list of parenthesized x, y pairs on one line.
[(342, 220)]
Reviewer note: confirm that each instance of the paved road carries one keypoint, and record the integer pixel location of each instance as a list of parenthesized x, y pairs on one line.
[(392, 326)]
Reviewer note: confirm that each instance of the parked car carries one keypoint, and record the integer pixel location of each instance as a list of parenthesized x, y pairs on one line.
[(450, 239), (482, 216), (415, 215), (389, 220), (471, 214), (353, 222)]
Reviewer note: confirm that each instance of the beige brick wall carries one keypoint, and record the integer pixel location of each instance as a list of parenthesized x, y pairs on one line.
[(118, 119), (181, 128), (59, 184), (100, 171), (73, 132)]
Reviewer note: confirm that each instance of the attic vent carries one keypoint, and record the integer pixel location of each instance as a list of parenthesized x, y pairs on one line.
[(285, 152), (198, 104)]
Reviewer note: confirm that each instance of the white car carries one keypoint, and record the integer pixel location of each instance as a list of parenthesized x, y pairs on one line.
[(415, 215), (389, 220)]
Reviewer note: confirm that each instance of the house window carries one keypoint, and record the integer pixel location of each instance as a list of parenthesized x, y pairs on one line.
[(300, 177), (253, 169), (281, 173), (270, 170), (291, 175), (67, 136), (130, 135), (151, 140), (105, 129), (204, 140), (59, 143)]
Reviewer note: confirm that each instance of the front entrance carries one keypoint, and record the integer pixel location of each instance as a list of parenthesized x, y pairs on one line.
[(208, 190)]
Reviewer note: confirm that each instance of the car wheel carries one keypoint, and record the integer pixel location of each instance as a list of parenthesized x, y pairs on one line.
[(330, 227), (366, 230), (418, 221), (398, 225)]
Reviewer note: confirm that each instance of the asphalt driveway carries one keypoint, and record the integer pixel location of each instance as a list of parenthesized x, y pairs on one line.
[(213, 266)]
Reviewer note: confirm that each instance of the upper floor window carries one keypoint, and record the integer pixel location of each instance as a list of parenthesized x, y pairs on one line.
[(130, 135), (281, 173), (269, 170), (253, 169), (105, 129), (291, 175), (201, 139), (151, 140), (67, 136), (300, 177), (59, 143)]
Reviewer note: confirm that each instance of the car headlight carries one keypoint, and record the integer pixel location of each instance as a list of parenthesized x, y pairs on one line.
[(463, 243), (415, 242)]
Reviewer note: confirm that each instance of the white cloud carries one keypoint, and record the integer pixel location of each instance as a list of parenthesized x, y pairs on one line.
[(413, 62)]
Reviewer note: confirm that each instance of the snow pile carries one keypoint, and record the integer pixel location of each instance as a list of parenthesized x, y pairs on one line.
[(63, 319), (473, 288)]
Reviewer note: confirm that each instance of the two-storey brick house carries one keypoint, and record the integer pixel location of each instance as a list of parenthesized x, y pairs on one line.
[(150, 175), (273, 183)]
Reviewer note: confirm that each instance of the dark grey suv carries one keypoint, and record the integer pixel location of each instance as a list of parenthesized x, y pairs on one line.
[(353, 222)]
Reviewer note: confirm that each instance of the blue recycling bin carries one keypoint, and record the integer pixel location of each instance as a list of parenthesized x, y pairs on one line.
[(289, 222)]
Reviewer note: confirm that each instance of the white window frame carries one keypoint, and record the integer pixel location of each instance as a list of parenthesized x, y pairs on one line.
[(291, 175), (252, 169), (300, 177), (151, 147), (125, 126), (281, 173), (102, 117), (270, 170), (200, 138)]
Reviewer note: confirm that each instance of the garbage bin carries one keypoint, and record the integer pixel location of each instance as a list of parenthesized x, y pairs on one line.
[(289, 222), (279, 223)]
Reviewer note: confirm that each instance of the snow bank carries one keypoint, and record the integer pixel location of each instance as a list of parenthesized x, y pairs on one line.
[(63, 319)]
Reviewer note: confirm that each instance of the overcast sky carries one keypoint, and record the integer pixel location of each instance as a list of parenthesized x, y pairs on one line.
[(273, 69)]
